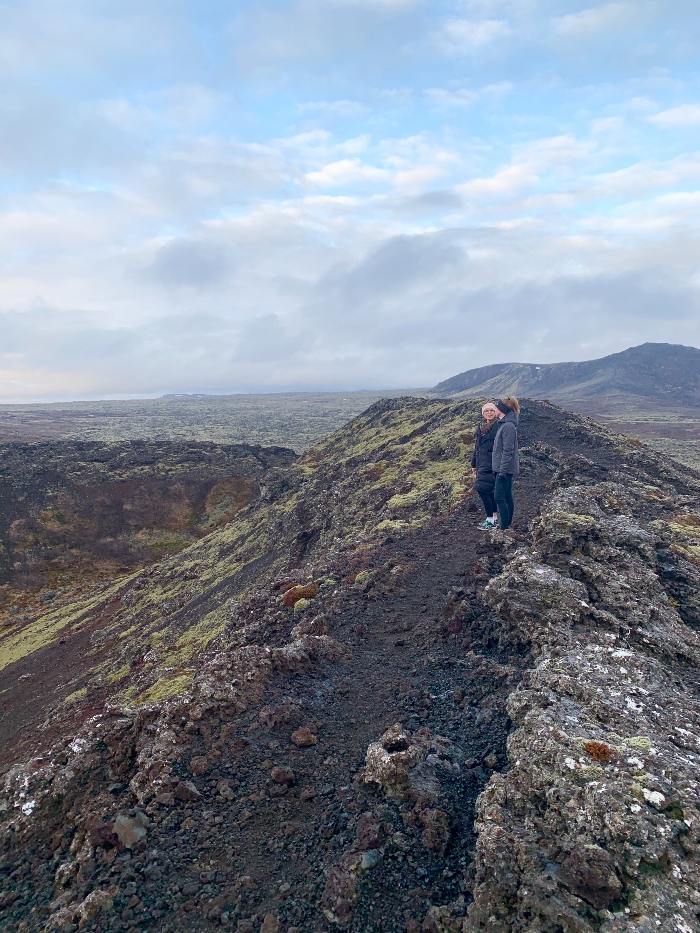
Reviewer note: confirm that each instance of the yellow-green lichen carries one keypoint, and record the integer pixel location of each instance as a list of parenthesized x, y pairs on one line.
[(638, 741), (118, 674), (572, 520), (196, 638), (47, 628), (363, 576), (76, 695), (165, 687)]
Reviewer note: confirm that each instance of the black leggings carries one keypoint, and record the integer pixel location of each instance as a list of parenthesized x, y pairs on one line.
[(503, 494), (489, 502)]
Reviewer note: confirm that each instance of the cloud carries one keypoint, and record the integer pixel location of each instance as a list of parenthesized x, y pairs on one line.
[(334, 108), (684, 115), (442, 97), (358, 36), (460, 36), (594, 20), (189, 263), (339, 192), (346, 172)]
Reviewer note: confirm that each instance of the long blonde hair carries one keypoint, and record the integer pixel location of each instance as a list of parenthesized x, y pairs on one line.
[(512, 403)]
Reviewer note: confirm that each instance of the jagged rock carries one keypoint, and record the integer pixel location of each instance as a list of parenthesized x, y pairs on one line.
[(370, 833), (591, 873), (389, 761), (442, 920), (580, 806), (406, 766), (296, 593), (131, 829), (199, 765), (95, 903), (281, 775), (304, 737), (436, 834), (186, 791)]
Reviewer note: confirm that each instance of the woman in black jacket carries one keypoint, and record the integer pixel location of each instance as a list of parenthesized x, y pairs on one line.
[(482, 463)]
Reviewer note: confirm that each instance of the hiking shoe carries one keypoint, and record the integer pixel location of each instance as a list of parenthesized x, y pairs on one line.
[(489, 523)]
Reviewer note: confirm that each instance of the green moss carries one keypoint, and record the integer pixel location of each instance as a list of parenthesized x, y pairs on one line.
[(77, 695), (118, 674), (47, 628), (394, 526), (363, 576), (638, 741), (196, 638), (407, 500), (301, 604), (165, 687)]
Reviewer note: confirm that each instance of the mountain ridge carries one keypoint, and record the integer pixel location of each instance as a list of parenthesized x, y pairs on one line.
[(651, 375)]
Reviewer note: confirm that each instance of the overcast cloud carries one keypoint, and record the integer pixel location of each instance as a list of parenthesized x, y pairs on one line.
[(340, 193)]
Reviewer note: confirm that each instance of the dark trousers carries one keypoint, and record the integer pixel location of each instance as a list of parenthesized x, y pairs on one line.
[(503, 494), (489, 502)]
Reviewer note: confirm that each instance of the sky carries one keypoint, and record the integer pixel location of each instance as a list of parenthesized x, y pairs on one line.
[(340, 194)]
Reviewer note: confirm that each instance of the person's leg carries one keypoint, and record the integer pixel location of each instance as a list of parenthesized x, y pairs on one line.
[(504, 500), (488, 502), (492, 505), (510, 500)]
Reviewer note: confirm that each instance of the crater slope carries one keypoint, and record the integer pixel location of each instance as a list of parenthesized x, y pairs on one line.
[(350, 708)]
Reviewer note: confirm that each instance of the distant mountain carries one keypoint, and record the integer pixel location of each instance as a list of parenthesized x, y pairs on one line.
[(653, 375)]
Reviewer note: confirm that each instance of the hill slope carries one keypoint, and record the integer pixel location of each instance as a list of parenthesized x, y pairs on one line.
[(652, 376), (349, 708), (75, 513)]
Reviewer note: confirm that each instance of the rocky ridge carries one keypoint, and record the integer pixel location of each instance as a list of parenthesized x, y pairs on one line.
[(389, 721)]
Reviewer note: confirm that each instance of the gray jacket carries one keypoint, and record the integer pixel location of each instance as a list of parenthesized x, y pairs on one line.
[(505, 447)]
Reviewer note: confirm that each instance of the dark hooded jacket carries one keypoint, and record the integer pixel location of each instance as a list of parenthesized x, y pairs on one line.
[(505, 446), (483, 455)]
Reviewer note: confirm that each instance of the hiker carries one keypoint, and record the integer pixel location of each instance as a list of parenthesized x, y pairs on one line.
[(482, 462), (505, 462)]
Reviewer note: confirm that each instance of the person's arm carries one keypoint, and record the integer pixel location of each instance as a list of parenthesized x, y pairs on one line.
[(508, 435), (476, 447)]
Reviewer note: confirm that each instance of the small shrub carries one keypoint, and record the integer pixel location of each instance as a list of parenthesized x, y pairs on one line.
[(600, 751)]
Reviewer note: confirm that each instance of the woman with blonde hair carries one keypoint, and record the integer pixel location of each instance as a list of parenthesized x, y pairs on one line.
[(505, 460), (482, 463)]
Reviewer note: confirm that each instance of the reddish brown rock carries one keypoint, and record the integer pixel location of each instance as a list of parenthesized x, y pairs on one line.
[(293, 595), (281, 775), (437, 833), (187, 792), (370, 834), (199, 765), (304, 737)]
